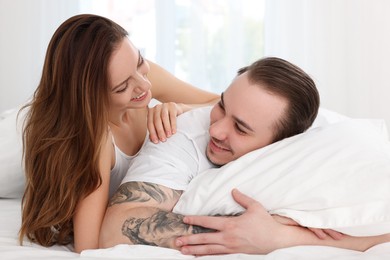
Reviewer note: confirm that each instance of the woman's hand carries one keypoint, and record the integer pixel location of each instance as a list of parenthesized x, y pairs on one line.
[(320, 233), (162, 120)]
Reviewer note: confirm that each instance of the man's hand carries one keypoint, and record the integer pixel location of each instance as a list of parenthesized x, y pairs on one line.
[(253, 232)]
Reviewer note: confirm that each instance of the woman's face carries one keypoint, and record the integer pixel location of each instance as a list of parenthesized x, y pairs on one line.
[(129, 85)]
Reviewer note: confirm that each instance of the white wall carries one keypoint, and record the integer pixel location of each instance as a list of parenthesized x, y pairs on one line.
[(202, 44), (343, 44), (25, 31)]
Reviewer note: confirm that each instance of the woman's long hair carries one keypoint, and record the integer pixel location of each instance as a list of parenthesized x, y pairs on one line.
[(67, 121)]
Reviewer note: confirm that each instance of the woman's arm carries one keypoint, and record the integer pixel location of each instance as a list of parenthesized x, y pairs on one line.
[(177, 97), (90, 211), (168, 88)]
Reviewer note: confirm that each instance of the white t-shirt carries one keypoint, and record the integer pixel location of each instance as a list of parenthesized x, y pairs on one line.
[(175, 162)]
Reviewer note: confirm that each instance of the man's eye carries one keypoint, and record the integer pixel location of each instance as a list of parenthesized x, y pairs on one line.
[(221, 105), (239, 130)]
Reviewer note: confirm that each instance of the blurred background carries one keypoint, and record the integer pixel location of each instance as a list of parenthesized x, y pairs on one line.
[(342, 44)]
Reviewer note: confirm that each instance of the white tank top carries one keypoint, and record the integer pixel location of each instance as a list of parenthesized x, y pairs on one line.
[(122, 164)]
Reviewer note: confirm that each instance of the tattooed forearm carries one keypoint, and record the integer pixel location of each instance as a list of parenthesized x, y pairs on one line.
[(142, 192), (160, 229), (199, 229)]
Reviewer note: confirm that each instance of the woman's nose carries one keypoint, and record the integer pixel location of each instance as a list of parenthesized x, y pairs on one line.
[(143, 83)]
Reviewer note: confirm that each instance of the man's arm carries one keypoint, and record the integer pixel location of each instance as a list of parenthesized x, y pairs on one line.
[(257, 232), (156, 227), (140, 213), (145, 194)]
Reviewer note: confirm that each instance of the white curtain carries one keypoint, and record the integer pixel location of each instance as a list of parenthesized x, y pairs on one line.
[(202, 42), (25, 30), (343, 44)]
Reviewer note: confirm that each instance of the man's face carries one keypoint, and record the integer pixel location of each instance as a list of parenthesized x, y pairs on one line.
[(243, 120)]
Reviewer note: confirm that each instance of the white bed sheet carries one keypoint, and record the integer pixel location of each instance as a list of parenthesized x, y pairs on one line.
[(10, 248)]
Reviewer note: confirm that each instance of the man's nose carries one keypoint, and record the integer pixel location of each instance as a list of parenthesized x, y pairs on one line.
[(219, 129)]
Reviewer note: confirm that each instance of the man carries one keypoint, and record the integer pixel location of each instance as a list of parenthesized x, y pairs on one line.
[(269, 100)]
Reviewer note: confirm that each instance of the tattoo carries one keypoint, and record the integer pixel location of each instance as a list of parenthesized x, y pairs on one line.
[(159, 230), (199, 229), (142, 192)]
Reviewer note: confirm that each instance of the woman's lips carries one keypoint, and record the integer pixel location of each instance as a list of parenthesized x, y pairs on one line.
[(140, 97)]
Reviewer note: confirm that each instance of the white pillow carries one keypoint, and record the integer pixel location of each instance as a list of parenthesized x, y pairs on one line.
[(333, 176), (12, 179), (326, 117)]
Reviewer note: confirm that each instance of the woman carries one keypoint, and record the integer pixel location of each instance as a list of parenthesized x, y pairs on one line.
[(87, 118)]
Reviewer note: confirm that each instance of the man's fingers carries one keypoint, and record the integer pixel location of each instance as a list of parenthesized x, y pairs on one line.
[(244, 200), (201, 244), (204, 221), (201, 250), (199, 239)]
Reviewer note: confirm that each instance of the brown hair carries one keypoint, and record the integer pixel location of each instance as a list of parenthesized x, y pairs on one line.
[(285, 79), (65, 125)]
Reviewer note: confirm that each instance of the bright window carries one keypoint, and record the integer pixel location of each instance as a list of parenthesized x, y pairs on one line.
[(202, 42)]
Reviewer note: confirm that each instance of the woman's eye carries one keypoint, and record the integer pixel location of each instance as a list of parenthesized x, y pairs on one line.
[(123, 89), (141, 62)]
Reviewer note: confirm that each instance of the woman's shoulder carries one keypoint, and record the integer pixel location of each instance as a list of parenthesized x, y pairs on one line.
[(107, 152)]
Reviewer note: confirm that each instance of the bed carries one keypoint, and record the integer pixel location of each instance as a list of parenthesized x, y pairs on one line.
[(10, 249), (371, 214)]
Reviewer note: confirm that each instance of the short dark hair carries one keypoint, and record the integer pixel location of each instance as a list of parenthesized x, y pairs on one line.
[(287, 80)]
